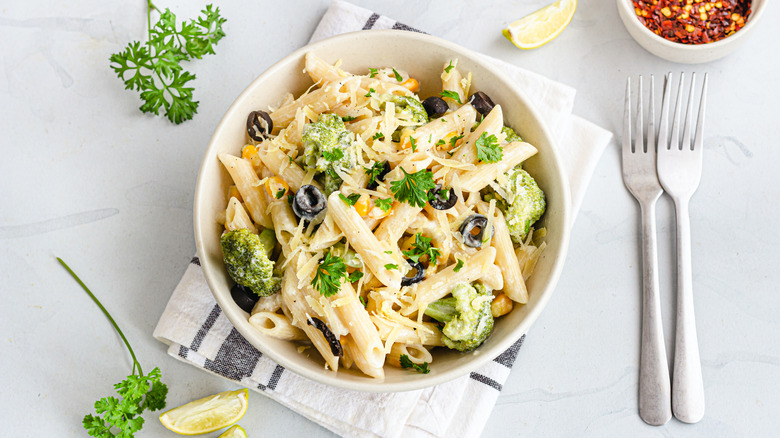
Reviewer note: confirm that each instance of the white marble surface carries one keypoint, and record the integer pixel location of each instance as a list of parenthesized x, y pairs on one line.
[(85, 176)]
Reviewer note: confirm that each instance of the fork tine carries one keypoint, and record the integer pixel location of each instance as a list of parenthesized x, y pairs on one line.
[(698, 140), (663, 128), (651, 124), (627, 119), (639, 140), (686, 141), (674, 141)]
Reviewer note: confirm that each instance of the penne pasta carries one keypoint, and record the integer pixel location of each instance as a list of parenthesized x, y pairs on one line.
[(380, 208)]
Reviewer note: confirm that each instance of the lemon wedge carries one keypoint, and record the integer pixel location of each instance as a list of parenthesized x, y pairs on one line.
[(207, 414), (539, 28), (234, 432)]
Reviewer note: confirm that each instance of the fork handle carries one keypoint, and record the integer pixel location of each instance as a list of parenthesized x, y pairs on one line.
[(654, 385), (688, 392)]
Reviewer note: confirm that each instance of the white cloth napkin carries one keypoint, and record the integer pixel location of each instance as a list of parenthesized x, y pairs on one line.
[(200, 334)]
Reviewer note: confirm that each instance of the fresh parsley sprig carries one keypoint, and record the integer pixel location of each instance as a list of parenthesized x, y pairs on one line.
[(422, 247), (413, 187), (407, 363), (452, 95), (155, 68), (330, 272), (138, 392), (488, 150)]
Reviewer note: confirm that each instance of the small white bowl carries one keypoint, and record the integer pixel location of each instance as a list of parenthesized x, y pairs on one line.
[(423, 57), (687, 53)]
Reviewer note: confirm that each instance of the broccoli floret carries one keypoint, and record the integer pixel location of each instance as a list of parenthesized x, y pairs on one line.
[(511, 135), (524, 203), (466, 314), (408, 107), (247, 263), (328, 146)]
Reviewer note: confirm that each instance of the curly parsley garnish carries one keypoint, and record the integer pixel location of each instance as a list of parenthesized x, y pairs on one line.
[(154, 68), (370, 92), (398, 76), (458, 265), (391, 266), (355, 276), (374, 171), (407, 363), (138, 392), (372, 72), (413, 187), (452, 95), (449, 67), (385, 204), (351, 199), (330, 272), (337, 154), (422, 247), (378, 136), (488, 150)]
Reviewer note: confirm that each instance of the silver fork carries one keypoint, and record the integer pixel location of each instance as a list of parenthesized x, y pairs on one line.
[(679, 170), (639, 176)]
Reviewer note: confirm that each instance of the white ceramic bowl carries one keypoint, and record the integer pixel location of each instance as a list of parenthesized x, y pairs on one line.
[(687, 53), (423, 57)]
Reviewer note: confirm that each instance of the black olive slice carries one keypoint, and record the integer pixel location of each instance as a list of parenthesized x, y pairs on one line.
[(440, 202), (467, 228), (418, 277), (259, 125), (309, 203), (482, 103), (335, 345), (381, 177), (435, 106), (244, 297)]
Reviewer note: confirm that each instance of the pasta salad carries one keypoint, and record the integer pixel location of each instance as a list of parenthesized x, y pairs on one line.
[(376, 226)]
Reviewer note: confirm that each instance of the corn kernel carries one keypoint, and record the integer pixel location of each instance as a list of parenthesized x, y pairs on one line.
[(684, 16), (689, 28), (411, 84), (665, 10), (501, 305), (363, 205), (276, 187), (735, 16), (708, 6), (703, 16), (688, 8), (718, 5)]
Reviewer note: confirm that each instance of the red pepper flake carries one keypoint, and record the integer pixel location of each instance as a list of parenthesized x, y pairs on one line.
[(693, 21)]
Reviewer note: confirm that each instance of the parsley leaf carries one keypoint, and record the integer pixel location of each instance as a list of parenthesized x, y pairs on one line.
[(454, 140), (458, 265), (374, 172), (413, 142), (363, 301), (407, 363), (413, 187), (280, 193), (330, 272), (372, 72), (449, 67), (422, 247), (391, 266), (385, 204), (488, 149), (139, 392), (397, 76), (370, 92), (378, 136), (355, 276), (337, 154), (154, 69), (452, 95), (348, 118), (351, 199)]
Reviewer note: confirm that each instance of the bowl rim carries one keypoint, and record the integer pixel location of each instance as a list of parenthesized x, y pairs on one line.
[(630, 16), (232, 311)]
